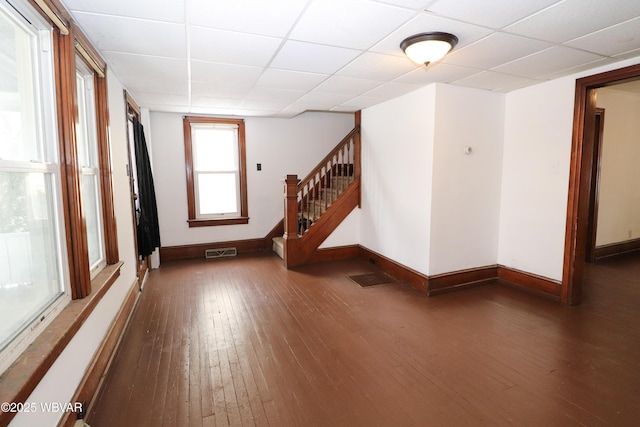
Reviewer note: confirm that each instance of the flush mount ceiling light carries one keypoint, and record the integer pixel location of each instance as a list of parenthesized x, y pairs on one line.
[(428, 47)]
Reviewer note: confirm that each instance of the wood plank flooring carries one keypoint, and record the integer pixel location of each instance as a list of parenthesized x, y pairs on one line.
[(244, 342)]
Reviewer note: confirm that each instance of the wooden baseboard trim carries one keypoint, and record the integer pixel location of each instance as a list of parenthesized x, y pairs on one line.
[(90, 385), (531, 282), (172, 253), (614, 249), (463, 279), (334, 254), (416, 280)]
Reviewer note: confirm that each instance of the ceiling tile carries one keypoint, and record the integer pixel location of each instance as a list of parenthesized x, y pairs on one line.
[(314, 58), (628, 55), (611, 41), (363, 101), (219, 90), (408, 4), (235, 75), (143, 98), (244, 112), (292, 110), (392, 90), (571, 19), (375, 66), (519, 85), (138, 84), (500, 14), (356, 24), (267, 93), (490, 80), (209, 110), (546, 62), (285, 79), (157, 10), (323, 99), (494, 50), (231, 47), (580, 68), (258, 58), (207, 101), (271, 18), (350, 85), (111, 33), (271, 105), (426, 22), (437, 72), (152, 67)]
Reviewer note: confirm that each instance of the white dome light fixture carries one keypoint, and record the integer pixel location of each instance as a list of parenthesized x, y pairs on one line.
[(425, 48)]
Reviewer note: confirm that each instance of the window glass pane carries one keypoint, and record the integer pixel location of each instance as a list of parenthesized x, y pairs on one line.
[(91, 211), (18, 93), (29, 257), (215, 149), (82, 137), (87, 139), (217, 193)]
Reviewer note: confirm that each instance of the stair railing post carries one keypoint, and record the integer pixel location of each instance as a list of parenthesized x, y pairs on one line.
[(290, 218), (291, 207)]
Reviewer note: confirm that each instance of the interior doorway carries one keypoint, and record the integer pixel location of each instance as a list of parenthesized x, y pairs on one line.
[(581, 175), (133, 111)]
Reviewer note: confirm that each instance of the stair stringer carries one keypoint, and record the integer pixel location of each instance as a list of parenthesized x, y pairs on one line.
[(298, 250)]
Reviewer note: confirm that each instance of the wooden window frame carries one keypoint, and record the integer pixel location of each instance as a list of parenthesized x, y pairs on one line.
[(191, 194), (19, 380), (67, 50)]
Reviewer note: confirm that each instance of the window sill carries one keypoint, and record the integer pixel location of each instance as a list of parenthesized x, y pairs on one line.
[(214, 222), (22, 377)]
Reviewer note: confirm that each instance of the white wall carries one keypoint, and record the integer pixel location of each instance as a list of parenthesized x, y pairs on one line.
[(535, 177), (64, 376), (397, 157), (535, 174), (619, 195), (427, 204), (282, 146), (465, 209)]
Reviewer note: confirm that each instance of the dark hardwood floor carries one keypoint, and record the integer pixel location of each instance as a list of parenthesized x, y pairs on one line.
[(243, 341)]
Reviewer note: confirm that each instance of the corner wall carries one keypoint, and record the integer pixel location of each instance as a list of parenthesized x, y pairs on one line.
[(397, 171), (465, 211)]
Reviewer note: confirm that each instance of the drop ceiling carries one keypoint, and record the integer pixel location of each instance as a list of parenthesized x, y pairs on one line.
[(279, 58)]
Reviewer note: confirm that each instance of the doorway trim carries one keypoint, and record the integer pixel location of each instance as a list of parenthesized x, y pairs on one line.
[(580, 174), (594, 195)]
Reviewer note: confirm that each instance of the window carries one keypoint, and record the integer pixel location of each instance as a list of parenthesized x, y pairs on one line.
[(216, 171), (87, 142), (33, 275)]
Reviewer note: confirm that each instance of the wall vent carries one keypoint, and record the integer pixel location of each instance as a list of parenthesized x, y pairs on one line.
[(219, 253)]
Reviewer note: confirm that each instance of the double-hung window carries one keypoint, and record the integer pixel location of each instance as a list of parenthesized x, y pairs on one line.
[(216, 171), (87, 142), (33, 272)]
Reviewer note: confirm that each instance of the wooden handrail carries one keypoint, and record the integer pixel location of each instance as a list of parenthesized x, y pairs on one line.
[(321, 191), (329, 156)]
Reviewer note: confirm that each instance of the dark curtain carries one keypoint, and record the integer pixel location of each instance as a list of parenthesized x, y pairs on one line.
[(148, 230)]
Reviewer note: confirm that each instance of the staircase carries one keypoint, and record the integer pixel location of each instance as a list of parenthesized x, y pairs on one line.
[(316, 205)]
